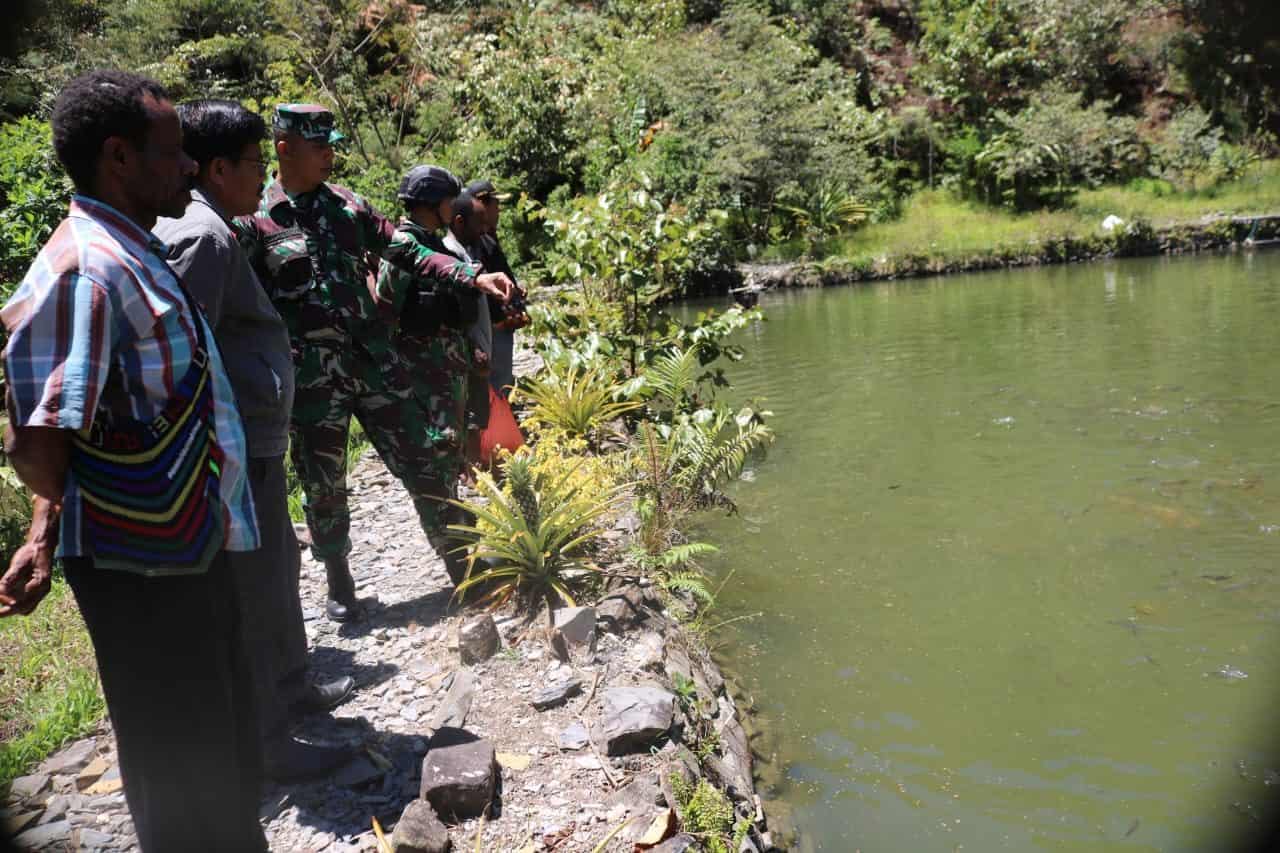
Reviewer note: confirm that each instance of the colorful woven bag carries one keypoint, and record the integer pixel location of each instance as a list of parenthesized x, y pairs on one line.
[(149, 490)]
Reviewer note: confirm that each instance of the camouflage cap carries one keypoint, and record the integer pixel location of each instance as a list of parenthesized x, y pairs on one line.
[(428, 185), (310, 121), (484, 189)]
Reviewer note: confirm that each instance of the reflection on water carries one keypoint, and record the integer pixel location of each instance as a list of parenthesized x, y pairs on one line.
[(1016, 552)]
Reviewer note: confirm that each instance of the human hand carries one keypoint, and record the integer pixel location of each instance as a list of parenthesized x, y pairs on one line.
[(496, 284), (27, 580)]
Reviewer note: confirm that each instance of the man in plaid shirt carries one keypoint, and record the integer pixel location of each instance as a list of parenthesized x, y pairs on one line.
[(101, 325)]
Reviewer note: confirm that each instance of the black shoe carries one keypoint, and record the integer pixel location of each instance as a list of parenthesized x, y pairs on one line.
[(288, 759), (342, 605), (322, 697), (339, 612)]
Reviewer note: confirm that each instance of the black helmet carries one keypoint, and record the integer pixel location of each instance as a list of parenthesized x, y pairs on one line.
[(428, 185)]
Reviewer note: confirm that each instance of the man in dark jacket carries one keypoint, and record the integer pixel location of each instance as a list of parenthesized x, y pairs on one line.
[(504, 319)]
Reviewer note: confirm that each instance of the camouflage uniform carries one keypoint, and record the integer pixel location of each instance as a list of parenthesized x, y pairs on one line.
[(430, 316), (313, 253)]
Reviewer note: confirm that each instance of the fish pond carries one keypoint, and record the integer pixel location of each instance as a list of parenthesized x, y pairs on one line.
[(1014, 558)]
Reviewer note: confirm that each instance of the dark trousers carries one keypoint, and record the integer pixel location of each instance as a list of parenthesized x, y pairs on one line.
[(502, 361), (179, 694), (266, 584)]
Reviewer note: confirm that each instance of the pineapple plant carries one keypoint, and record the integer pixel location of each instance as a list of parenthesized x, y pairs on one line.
[(521, 480)]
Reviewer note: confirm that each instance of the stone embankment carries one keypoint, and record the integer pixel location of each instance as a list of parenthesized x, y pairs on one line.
[(466, 729), (1136, 239)]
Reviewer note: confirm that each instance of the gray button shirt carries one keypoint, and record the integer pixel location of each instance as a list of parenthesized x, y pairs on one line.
[(251, 335)]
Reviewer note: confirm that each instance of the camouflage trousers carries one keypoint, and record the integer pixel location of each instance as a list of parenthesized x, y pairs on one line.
[(437, 366), (335, 382)]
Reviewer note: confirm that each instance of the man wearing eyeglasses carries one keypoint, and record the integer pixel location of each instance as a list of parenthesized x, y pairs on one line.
[(225, 139)]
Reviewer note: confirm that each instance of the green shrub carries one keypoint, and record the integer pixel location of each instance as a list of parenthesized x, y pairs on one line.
[(33, 197), (1189, 144), (1043, 153), (707, 813)]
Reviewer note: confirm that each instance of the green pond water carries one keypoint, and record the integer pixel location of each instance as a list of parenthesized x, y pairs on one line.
[(1015, 555)]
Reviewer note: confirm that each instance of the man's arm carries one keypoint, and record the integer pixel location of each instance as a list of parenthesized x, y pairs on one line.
[(40, 457), (452, 274), (379, 231), (30, 572), (61, 341)]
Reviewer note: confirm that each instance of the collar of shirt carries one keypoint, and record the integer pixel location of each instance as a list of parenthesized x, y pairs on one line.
[(422, 234), (199, 196), (463, 251), (131, 235), (275, 195)]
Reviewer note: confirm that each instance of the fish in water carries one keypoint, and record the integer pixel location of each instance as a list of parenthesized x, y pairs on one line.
[(1168, 516), (1133, 827), (1130, 623), (1229, 672)]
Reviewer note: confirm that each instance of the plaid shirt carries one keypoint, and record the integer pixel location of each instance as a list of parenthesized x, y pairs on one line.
[(98, 296)]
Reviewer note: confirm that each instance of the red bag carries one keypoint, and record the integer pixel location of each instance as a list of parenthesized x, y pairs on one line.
[(502, 430)]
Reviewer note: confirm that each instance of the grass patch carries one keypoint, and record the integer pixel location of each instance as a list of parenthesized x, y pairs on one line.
[(1256, 192), (939, 225), (49, 692)]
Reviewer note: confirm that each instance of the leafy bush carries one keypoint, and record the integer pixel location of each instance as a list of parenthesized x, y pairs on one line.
[(624, 253), (705, 449), (1189, 144), (825, 213), (979, 57), (33, 197), (1044, 152)]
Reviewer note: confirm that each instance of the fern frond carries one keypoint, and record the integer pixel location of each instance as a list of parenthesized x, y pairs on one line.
[(690, 582), (678, 555), (673, 375)]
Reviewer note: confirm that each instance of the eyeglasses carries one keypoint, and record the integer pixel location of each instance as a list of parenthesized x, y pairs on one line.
[(261, 164)]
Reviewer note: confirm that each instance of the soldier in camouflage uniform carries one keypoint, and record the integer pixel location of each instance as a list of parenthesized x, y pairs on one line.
[(430, 314), (313, 245)]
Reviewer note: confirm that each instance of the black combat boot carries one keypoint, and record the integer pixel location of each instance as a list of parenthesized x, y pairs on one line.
[(342, 606)]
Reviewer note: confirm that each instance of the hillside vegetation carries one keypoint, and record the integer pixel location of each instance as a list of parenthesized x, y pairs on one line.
[(772, 122)]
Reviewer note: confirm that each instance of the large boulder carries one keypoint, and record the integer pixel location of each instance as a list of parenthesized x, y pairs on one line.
[(635, 717), (420, 831), (459, 774), (71, 759), (26, 787), (46, 835)]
